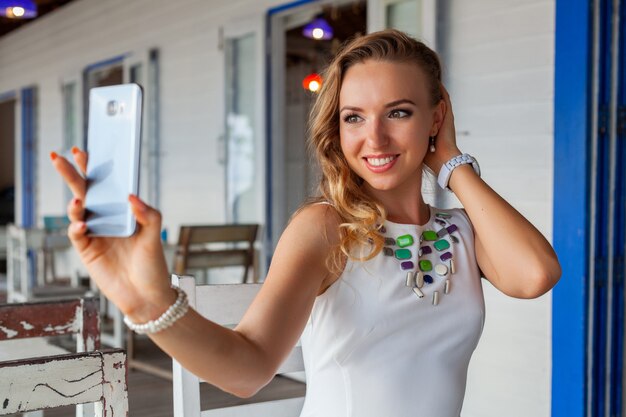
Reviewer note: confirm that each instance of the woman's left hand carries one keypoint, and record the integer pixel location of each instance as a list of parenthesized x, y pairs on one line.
[(445, 140)]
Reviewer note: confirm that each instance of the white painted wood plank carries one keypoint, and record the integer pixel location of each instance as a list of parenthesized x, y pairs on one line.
[(225, 303), (50, 382)]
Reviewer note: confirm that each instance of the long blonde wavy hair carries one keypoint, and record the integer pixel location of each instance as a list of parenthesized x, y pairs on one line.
[(360, 215)]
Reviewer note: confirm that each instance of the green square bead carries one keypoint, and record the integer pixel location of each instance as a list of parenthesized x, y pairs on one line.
[(441, 245), (404, 241), (430, 235), (425, 265), (403, 254)]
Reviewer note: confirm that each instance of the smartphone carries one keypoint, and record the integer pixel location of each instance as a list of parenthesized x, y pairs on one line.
[(113, 147)]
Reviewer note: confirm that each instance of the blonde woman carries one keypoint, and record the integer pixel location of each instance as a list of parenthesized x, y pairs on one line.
[(384, 289)]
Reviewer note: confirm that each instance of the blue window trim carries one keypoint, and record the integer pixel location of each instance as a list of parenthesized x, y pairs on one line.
[(572, 124), (28, 146)]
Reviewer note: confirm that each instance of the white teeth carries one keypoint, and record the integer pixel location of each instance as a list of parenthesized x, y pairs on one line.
[(380, 161)]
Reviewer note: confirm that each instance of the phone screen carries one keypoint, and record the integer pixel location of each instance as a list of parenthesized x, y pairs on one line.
[(113, 147)]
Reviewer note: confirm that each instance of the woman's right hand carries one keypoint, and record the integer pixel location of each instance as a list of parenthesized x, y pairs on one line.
[(131, 272)]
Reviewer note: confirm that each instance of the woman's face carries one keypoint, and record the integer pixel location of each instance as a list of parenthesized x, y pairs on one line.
[(385, 119)]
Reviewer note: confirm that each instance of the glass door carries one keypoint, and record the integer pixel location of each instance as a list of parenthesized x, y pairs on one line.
[(415, 17), (143, 68), (243, 145)]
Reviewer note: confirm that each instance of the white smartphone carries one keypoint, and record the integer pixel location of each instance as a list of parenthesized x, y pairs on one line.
[(113, 147)]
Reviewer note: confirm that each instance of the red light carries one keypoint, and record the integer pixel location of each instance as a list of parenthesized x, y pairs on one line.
[(312, 82)]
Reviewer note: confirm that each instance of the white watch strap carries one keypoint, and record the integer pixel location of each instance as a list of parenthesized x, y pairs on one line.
[(446, 170)]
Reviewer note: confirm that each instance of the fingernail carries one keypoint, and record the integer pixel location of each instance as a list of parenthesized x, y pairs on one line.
[(74, 150), (138, 203), (53, 155)]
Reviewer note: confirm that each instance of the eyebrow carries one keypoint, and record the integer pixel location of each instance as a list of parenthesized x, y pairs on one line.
[(392, 104)]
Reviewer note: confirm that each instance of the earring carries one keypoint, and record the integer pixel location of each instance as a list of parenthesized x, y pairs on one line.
[(431, 139)]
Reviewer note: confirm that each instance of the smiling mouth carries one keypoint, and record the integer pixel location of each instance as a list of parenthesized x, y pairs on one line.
[(379, 162)]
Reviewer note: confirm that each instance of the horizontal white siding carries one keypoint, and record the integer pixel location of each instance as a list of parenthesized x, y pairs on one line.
[(499, 66), (64, 42)]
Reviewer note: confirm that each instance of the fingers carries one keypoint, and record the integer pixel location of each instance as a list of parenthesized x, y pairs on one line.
[(77, 232), (147, 217), (71, 177), (76, 210), (80, 158)]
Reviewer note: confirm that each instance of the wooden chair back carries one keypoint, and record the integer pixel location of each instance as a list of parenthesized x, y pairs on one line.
[(226, 304), (53, 318), (56, 381), (215, 246), (28, 361)]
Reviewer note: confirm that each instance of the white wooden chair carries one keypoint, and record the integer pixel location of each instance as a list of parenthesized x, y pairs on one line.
[(24, 328), (26, 279), (226, 305), (201, 248), (54, 381)]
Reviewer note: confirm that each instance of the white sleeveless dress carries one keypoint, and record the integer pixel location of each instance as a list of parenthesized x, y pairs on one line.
[(373, 348)]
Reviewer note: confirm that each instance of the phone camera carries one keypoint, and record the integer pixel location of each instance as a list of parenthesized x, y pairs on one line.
[(112, 107)]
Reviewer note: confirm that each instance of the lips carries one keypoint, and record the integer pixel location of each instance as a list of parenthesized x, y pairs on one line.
[(380, 163)]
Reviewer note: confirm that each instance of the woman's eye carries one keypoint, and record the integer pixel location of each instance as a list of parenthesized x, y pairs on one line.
[(399, 114), (351, 118)]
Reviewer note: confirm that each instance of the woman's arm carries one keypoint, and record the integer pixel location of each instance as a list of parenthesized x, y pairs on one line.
[(512, 254), (244, 360), (132, 273)]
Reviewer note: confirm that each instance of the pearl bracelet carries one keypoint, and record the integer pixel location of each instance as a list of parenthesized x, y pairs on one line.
[(173, 313)]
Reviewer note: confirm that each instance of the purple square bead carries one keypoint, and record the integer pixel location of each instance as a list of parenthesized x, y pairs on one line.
[(407, 265), (446, 256), (426, 250), (452, 228)]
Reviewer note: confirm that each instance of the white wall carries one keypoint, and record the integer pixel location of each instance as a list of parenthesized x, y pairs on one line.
[(499, 65), (62, 43)]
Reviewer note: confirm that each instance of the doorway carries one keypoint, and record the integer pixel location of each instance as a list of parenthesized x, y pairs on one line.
[(295, 55), (7, 161)]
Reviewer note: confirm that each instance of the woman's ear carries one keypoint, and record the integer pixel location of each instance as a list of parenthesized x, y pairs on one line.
[(438, 116)]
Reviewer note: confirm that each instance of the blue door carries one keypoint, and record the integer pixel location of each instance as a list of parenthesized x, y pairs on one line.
[(589, 208)]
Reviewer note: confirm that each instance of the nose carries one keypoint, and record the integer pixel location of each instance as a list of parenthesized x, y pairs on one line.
[(377, 135)]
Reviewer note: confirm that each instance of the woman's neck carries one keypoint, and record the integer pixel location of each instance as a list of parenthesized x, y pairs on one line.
[(402, 207)]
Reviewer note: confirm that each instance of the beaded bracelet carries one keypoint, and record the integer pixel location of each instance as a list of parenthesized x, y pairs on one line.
[(173, 313)]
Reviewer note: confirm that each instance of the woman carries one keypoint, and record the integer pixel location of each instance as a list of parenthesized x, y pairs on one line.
[(384, 289)]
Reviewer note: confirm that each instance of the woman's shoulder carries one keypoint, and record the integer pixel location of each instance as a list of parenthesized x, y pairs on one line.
[(320, 218)]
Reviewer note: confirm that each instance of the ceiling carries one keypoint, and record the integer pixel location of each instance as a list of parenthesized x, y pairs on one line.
[(43, 7)]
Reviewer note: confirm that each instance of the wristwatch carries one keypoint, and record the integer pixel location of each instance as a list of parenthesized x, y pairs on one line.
[(448, 167)]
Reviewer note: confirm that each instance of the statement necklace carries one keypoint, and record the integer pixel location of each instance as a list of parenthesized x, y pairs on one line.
[(435, 259)]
